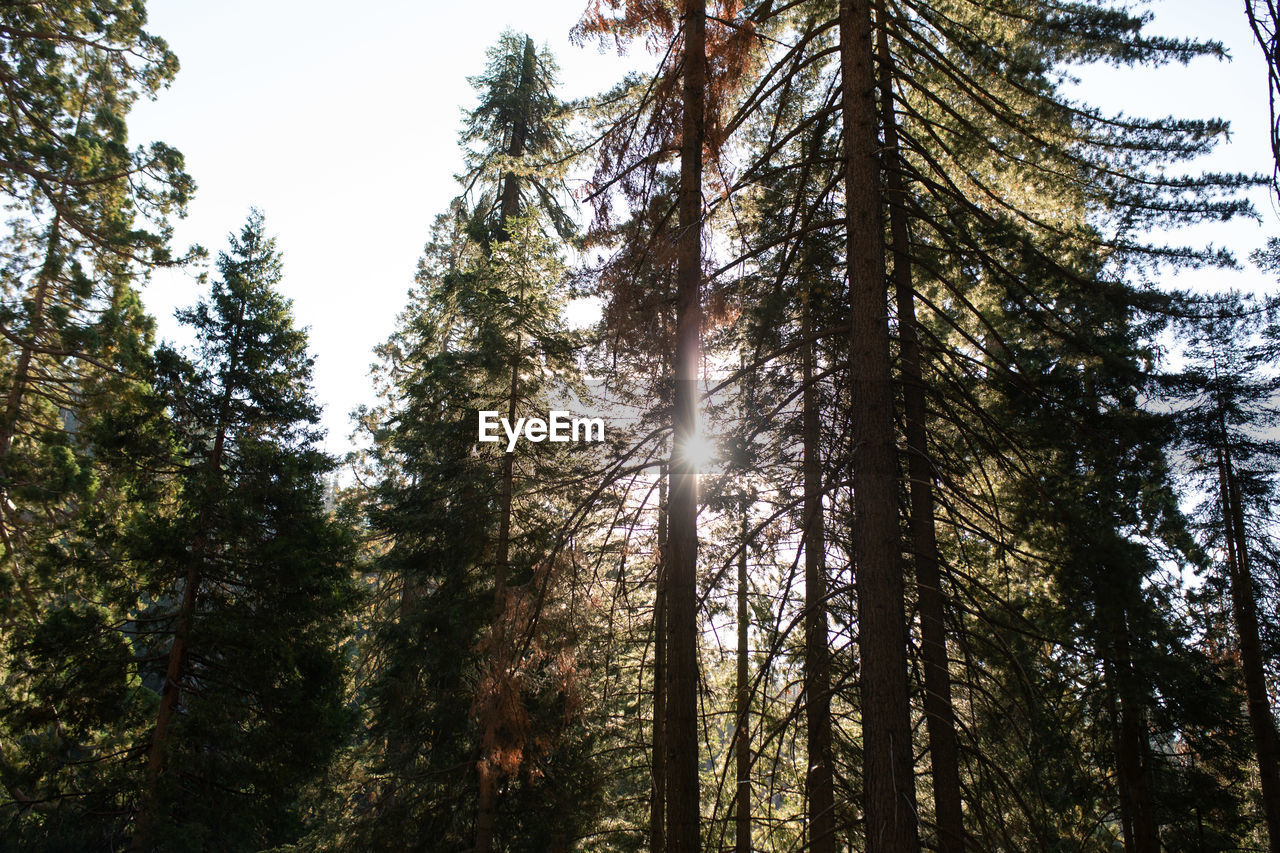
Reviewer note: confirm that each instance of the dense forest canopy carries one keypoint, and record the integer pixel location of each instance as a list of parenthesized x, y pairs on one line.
[(901, 497)]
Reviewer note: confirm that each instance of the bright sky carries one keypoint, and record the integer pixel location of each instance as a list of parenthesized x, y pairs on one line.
[(342, 128)]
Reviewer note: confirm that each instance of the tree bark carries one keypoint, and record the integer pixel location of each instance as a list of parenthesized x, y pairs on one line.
[(13, 409), (683, 830), (939, 711), (657, 805), (889, 783), (819, 782), (519, 134), (22, 370), (742, 736)]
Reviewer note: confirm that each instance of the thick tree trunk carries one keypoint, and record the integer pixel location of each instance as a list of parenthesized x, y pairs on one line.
[(939, 711), (742, 735), (889, 783), (819, 780), (1125, 796), (657, 805), (683, 830), (1248, 634), (169, 694)]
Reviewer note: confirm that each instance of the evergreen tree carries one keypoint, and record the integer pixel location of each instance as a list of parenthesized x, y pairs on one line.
[(478, 660), (249, 577), (514, 140)]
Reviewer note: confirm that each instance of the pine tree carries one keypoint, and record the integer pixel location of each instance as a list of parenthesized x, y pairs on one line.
[(250, 575), (476, 619), (517, 124)]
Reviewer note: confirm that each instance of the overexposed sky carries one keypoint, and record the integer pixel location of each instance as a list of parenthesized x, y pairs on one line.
[(340, 123)]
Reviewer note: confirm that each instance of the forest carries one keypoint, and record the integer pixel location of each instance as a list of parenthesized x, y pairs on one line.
[(930, 511)]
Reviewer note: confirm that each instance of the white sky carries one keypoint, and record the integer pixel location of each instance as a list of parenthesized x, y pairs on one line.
[(341, 126)]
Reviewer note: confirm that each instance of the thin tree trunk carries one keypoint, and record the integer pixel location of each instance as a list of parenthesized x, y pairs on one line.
[(939, 711), (819, 781), (1248, 634), (742, 735), (683, 830), (889, 780), (487, 801), (657, 805), (48, 270)]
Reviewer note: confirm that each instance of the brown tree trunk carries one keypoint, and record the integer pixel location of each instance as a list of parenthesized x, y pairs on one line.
[(1248, 634), (742, 735), (169, 694), (657, 805), (819, 781), (683, 830), (1125, 796), (889, 783), (939, 711), (519, 133)]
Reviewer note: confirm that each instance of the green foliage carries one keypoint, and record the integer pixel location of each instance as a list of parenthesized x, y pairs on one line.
[(514, 140), (86, 219), (261, 679)]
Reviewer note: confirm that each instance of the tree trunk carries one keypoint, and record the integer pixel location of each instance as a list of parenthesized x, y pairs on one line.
[(890, 811), (742, 735), (683, 831), (939, 711), (1248, 634), (1135, 794), (819, 782), (519, 133), (1125, 796), (657, 805)]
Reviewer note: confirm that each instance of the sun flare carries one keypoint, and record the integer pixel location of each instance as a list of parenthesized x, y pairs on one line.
[(699, 451)]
